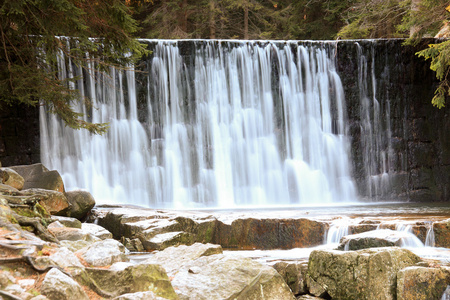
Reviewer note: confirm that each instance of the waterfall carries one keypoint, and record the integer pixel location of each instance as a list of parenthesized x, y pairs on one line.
[(210, 124), (410, 240), (429, 239), (375, 128), (338, 229)]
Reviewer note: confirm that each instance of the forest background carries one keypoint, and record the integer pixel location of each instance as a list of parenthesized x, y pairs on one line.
[(99, 32)]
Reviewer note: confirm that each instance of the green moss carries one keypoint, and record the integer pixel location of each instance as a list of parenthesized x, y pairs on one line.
[(41, 210), (208, 235)]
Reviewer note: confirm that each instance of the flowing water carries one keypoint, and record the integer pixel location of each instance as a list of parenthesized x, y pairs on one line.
[(375, 127), (222, 124)]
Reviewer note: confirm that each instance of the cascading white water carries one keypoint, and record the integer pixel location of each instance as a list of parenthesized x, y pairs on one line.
[(429, 239), (411, 240), (230, 124), (338, 229)]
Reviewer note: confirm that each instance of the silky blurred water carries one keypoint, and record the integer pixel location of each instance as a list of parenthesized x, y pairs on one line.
[(232, 124)]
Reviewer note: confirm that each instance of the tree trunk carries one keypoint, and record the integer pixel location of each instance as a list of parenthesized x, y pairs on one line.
[(182, 16), (212, 20), (414, 7), (245, 20)]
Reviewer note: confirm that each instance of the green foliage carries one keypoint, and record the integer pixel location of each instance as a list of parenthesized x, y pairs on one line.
[(30, 31), (405, 18), (440, 63), (256, 19), (375, 19)]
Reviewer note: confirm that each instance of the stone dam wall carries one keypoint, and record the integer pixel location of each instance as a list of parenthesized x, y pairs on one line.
[(411, 135), (400, 143)]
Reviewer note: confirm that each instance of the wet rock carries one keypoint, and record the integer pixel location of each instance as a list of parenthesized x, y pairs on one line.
[(38, 176), (67, 222), (58, 286), (222, 277), (137, 278), (96, 230), (294, 274), (373, 239), (53, 201), (81, 203), (11, 178), (421, 283), (103, 253), (362, 274), (174, 258)]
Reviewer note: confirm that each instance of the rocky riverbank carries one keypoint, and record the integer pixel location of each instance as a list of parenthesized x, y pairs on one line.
[(46, 252)]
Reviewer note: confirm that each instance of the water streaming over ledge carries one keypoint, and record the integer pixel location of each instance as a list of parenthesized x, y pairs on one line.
[(221, 124)]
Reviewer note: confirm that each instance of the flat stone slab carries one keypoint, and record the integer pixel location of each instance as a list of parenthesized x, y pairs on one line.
[(159, 229)]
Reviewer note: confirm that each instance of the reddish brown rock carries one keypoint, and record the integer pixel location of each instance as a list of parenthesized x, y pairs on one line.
[(422, 283), (249, 233), (442, 233), (271, 234), (53, 201)]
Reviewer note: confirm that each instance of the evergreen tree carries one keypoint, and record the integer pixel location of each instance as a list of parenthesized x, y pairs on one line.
[(30, 30)]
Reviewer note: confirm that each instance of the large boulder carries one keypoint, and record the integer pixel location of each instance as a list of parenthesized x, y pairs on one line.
[(103, 253), (229, 277), (201, 271), (38, 176), (81, 203), (11, 178), (363, 274), (422, 283), (58, 286), (137, 278)]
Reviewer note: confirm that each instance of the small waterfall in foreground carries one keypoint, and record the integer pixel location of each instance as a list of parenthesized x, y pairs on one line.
[(410, 240), (210, 124), (429, 239), (338, 229)]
